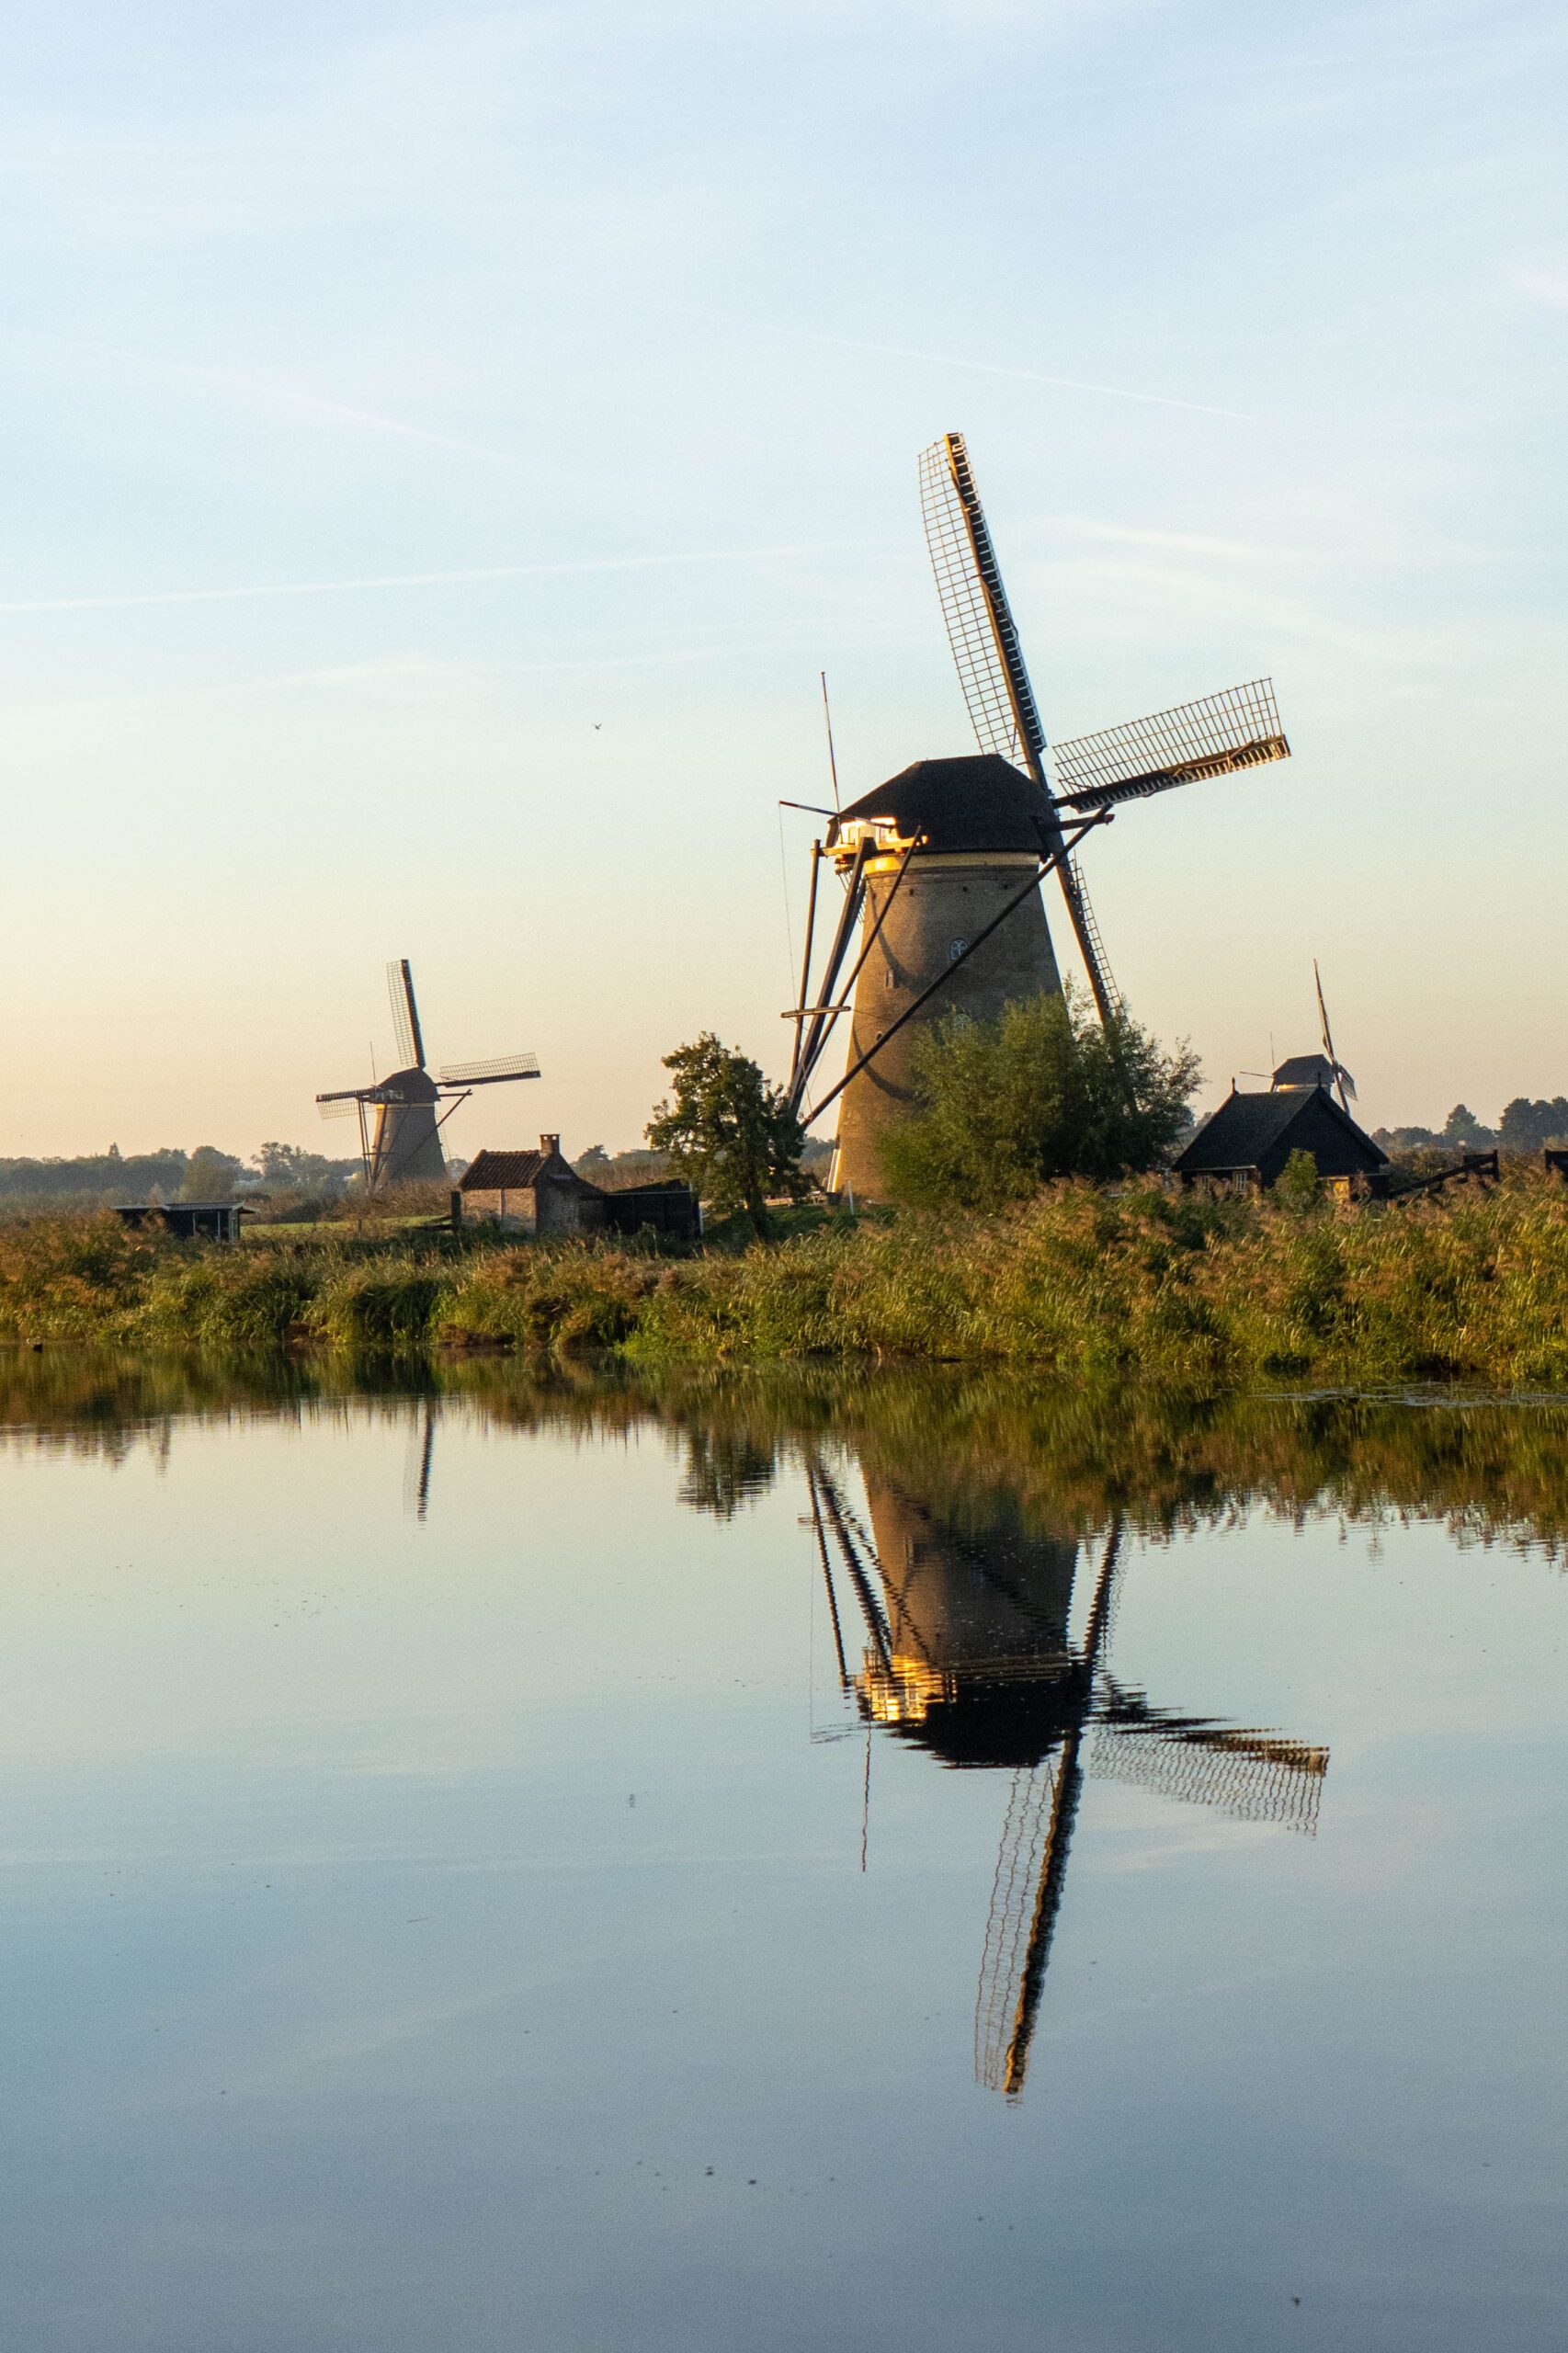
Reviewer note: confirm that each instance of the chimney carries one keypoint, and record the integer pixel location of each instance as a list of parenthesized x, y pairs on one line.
[(549, 1144)]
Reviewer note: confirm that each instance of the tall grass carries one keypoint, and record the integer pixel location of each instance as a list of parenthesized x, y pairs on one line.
[(1473, 1289)]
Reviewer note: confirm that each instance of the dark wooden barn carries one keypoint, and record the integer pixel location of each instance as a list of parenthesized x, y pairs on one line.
[(668, 1207), (1249, 1139)]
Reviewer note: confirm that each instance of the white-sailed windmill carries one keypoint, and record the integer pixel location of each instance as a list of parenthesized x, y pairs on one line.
[(405, 1145)]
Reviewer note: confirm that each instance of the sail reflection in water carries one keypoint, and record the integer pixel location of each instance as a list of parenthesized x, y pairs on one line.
[(969, 1653)]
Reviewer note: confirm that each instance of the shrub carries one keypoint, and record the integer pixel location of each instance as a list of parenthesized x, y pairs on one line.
[(1044, 1091)]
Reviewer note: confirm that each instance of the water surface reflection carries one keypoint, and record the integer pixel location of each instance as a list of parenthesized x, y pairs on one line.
[(969, 1653), (439, 1904)]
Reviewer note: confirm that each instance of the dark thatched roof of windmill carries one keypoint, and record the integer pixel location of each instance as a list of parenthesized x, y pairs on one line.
[(981, 803)]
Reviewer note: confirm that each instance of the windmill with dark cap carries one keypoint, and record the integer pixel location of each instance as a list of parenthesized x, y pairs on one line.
[(406, 1144), (940, 866)]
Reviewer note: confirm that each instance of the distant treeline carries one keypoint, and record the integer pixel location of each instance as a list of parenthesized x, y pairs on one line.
[(98, 1180), (1524, 1126), (99, 1174), (616, 1172)]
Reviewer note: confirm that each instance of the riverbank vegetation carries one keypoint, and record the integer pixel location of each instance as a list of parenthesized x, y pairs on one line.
[(1470, 1288)]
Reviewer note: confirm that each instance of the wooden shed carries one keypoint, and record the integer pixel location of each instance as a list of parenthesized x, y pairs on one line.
[(190, 1220)]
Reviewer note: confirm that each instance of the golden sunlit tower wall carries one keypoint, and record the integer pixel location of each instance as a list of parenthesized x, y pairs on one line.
[(943, 848)]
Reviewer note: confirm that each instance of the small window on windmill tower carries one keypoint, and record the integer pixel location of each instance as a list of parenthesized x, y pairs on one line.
[(955, 950)]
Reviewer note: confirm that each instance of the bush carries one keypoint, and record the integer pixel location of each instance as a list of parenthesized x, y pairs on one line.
[(1044, 1091)]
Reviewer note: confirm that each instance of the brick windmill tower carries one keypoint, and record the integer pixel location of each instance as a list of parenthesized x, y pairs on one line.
[(941, 866)]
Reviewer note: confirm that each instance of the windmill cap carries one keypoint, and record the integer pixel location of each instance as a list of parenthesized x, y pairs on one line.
[(979, 803)]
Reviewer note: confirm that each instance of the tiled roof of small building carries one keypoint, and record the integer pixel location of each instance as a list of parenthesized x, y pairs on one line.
[(505, 1172)]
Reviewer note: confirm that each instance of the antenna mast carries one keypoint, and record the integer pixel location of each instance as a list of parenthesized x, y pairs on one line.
[(832, 762)]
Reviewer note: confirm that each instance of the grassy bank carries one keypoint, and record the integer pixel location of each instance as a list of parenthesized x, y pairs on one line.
[(1474, 1290)]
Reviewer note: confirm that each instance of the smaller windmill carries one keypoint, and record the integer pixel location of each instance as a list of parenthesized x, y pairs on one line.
[(405, 1145)]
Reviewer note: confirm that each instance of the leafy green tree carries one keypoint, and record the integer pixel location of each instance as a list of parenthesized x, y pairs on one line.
[(1044, 1091), (727, 1130), (210, 1175)]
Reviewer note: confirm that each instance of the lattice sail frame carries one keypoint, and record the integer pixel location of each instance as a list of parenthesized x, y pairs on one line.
[(1238, 728), (1010, 1927), (990, 663), (1253, 1776), (400, 989), (966, 609), (486, 1073)]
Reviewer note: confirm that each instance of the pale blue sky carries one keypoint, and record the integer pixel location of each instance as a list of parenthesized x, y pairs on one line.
[(608, 337)]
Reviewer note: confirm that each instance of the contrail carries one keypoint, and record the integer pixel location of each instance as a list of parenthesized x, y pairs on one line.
[(335, 412), (1024, 375), (429, 579)]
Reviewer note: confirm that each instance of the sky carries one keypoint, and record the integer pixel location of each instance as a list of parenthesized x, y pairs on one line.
[(446, 446)]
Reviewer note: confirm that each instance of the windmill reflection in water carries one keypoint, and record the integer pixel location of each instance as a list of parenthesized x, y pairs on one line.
[(969, 1653)]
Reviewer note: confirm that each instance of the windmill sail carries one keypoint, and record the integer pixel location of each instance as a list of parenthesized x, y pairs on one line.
[(990, 663), (981, 628), (1255, 1776), (490, 1073), (1214, 737), (406, 1019)]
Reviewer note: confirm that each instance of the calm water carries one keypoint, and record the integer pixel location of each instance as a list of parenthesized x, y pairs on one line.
[(875, 1864)]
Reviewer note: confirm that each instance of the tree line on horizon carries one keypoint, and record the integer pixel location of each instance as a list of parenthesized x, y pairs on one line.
[(1524, 1125), (99, 1179)]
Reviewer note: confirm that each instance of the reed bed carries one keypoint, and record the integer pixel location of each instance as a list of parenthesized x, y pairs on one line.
[(1080, 1282)]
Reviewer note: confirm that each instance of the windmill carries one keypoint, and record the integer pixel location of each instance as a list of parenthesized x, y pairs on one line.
[(406, 1146), (969, 1656), (941, 865)]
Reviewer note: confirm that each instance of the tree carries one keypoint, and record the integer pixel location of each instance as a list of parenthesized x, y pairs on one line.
[(1462, 1127), (729, 1130), (210, 1175), (1526, 1126), (291, 1164), (1044, 1091)]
